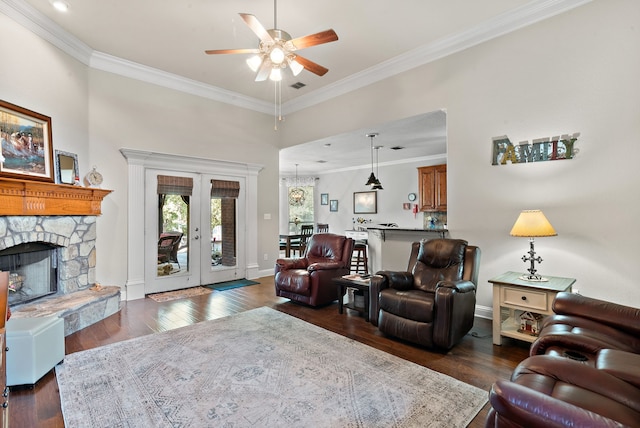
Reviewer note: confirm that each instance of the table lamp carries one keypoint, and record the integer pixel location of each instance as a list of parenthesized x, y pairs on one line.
[(532, 224)]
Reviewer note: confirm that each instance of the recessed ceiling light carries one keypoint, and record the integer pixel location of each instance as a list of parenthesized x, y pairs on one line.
[(60, 5)]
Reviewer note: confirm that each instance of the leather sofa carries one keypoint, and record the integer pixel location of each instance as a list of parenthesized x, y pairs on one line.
[(584, 370), (584, 325), (432, 303), (551, 391), (308, 279)]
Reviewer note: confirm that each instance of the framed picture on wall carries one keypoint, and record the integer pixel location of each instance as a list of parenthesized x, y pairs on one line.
[(365, 202), (324, 199), (26, 144), (333, 205)]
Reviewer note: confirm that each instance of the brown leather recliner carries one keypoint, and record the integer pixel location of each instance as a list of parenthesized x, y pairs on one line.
[(308, 279), (584, 325), (550, 391), (433, 302)]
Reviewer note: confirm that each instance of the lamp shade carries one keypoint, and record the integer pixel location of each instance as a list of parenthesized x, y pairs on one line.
[(532, 223)]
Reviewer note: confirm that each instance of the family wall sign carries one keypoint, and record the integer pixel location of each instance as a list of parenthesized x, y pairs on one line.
[(541, 150)]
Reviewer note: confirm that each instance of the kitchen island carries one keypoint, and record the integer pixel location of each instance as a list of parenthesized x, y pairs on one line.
[(390, 247)]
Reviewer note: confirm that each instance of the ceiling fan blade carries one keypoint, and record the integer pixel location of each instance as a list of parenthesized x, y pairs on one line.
[(256, 27), (314, 39), (311, 66), (264, 70), (232, 51)]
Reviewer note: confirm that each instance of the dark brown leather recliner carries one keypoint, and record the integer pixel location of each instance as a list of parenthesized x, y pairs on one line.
[(583, 325), (433, 302), (308, 279), (550, 391)]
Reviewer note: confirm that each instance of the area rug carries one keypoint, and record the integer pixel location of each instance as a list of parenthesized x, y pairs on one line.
[(259, 368), (178, 294), (228, 285)]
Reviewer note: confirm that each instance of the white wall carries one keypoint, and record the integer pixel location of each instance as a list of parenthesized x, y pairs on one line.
[(397, 180), (576, 72), (43, 79)]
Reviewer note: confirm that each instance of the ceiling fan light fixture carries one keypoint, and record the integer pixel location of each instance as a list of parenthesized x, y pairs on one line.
[(296, 67), (275, 51), (276, 55), (276, 74), (254, 62)]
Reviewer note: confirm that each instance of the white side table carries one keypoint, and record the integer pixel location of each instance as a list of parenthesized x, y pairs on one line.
[(511, 294)]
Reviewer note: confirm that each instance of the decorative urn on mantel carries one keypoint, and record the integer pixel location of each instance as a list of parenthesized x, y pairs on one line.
[(24, 197)]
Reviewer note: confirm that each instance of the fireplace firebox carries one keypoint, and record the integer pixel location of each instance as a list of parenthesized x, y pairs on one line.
[(32, 271)]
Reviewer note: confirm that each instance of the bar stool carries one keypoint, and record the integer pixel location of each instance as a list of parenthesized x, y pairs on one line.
[(359, 261)]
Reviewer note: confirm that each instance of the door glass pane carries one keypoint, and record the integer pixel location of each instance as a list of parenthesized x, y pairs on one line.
[(224, 244), (174, 195), (216, 231)]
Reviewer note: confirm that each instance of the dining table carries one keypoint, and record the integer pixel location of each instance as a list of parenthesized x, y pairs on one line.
[(289, 241)]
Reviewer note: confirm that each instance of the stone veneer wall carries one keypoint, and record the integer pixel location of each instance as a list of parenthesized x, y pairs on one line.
[(75, 237)]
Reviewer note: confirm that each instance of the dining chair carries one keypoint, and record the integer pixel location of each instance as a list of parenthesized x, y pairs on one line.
[(306, 230)]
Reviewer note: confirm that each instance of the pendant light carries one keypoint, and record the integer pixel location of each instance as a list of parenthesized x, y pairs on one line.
[(296, 194), (377, 185), (372, 178)]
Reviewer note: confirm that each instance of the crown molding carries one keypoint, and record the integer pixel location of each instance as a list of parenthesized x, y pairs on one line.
[(530, 13), (133, 70)]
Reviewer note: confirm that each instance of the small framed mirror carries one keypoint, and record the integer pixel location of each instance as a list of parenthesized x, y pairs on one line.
[(66, 167)]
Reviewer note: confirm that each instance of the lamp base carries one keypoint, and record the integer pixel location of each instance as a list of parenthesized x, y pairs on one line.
[(533, 278)]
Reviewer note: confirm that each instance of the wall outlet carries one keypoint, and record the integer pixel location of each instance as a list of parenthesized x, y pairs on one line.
[(575, 290), (266, 256)]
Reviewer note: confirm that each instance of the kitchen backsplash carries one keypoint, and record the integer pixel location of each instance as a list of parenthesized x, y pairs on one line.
[(435, 220)]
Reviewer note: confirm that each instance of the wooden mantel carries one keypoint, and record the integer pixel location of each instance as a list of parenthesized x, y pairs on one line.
[(24, 197)]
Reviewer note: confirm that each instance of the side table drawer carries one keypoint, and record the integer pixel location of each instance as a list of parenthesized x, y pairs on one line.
[(535, 300)]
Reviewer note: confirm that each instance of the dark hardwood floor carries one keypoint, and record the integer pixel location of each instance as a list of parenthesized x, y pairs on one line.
[(475, 360)]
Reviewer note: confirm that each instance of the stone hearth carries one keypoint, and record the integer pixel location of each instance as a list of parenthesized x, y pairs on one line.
[(79, 309)]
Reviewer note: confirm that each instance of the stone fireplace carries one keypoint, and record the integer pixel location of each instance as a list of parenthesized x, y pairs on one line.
[(70, 239), (51, 254)]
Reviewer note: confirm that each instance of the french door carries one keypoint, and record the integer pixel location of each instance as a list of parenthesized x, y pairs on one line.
[(193, 235)]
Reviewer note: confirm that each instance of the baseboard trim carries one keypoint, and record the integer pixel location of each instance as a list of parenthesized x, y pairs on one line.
[(134, 290), (484, 312)]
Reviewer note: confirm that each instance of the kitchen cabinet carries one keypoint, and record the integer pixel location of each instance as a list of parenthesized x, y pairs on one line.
[(432, 188)]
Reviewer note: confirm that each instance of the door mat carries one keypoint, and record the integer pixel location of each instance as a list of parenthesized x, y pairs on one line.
[(228, 285), (178, 294)]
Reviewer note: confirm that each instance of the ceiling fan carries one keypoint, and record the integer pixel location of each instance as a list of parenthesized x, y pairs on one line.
[(276, 50)]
